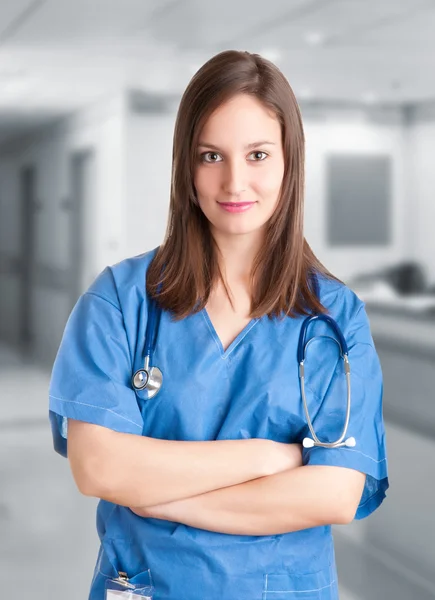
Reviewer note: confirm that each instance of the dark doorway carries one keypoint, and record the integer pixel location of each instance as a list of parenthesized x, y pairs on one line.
[(29, 207)]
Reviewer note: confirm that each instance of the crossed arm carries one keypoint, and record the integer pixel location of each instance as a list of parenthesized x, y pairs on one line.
[(245, 487), (299, 498)]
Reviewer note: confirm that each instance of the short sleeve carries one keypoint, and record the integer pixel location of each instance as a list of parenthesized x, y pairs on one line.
[(90, 379), (366, 419)]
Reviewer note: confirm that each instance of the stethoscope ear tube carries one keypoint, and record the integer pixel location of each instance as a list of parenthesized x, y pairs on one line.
[(151, 378), (302, 343), (301, 350)]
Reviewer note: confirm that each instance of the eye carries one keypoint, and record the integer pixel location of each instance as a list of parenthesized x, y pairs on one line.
[(259, 155), (210, 157)]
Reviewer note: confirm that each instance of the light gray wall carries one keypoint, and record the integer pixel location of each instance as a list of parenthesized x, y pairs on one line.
[(148, 155), (420, 152)]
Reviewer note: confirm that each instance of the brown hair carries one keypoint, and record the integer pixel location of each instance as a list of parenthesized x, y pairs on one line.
[(186, 264)]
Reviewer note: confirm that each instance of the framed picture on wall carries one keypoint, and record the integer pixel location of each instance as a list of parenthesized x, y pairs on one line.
[(359, 209)]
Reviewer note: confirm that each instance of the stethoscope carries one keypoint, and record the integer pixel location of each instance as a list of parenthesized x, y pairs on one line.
[(344, 353), (150, 378)]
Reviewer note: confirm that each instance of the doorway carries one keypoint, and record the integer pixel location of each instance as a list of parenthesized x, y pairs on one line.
[(28, 207), (82, 169)]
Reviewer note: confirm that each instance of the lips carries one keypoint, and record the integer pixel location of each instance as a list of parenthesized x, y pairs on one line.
[(236, 207), (236, 203)]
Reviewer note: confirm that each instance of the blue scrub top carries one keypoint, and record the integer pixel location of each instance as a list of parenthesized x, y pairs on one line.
[(250, 390)]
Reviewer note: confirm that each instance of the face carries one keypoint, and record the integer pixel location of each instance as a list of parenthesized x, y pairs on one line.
[(239, 167)]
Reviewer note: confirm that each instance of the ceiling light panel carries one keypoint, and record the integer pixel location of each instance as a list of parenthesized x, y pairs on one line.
[(410, 30), (198, 25), (339, 24), (64, 22)]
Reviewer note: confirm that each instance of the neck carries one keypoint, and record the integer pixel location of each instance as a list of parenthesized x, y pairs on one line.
[(237, 254)]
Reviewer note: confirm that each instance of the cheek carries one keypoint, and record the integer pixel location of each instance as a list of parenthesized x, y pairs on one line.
[(269, 182), (205, 182)]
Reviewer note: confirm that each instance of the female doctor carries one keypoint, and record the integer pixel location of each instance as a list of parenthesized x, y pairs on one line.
[(206, 490)]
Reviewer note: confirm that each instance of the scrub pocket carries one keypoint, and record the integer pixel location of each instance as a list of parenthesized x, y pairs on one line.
[(284, 585), (116, 556), (121, 589)]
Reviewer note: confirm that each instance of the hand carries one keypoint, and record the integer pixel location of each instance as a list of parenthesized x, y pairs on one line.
[(284, 457), (150, 512), (167, 511), (139, 511)]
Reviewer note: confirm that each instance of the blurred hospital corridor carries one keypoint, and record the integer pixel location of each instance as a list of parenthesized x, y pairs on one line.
[(89, 92)]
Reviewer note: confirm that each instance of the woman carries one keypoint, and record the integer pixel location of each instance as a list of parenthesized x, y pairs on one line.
[(205, 488)]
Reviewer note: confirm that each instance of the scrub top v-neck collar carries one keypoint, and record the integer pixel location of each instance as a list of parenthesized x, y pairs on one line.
[(237, 340)]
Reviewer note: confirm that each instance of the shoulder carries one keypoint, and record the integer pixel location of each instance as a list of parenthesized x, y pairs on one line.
[(335, 295), (124, 280), (344, 306)]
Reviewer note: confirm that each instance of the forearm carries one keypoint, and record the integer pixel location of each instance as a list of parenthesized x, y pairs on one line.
[(289, 501), (132, 470)]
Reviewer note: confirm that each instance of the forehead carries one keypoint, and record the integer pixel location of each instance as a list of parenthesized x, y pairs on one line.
[(241, 118)]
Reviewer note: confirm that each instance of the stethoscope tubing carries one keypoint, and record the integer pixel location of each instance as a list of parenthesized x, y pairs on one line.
[(340, 441), (151, 378), (301, 354)]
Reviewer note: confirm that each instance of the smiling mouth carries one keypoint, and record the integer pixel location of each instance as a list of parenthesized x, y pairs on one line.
[(236, 207), (235, 203)]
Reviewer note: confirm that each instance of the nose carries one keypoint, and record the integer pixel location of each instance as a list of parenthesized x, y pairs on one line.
[(235, 178)]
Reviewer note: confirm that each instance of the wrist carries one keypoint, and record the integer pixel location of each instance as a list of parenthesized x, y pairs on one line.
[(281, 456), (297, 455), (270, 457)]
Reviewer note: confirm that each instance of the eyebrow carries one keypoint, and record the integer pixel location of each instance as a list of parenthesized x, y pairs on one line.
[(248, 147)]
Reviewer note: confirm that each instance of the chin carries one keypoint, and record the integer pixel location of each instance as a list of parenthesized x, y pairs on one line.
[(239, 228)]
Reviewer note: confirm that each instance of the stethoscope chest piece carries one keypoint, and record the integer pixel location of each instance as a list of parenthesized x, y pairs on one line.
[(140, 379), (148, 379)]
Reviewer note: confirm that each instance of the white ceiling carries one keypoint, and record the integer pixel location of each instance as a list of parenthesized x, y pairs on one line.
[(59, 55)]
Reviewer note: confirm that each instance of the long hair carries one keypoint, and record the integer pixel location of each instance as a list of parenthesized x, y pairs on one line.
[(186, 264)]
